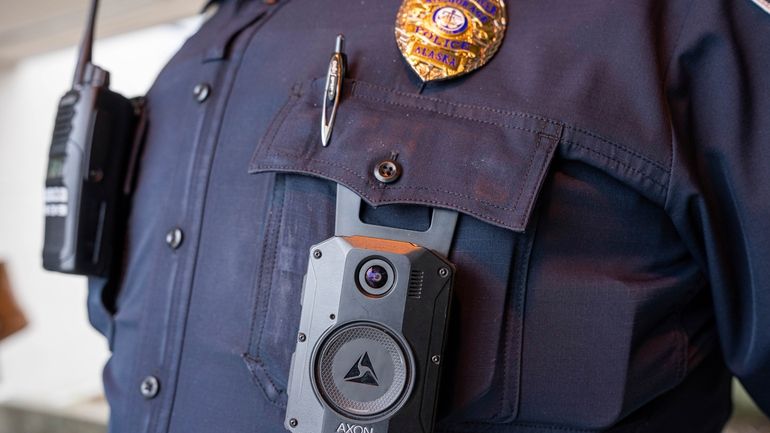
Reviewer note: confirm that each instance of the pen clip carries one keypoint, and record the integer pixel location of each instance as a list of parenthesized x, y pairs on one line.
[(332, 90)]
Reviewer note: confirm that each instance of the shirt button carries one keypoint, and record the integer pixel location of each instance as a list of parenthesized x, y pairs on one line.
[(174, 238), (150, 387), (201, 92), (387, 171)]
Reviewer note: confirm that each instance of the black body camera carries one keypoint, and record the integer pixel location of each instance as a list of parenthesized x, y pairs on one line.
[(87, 184), (375, 313)]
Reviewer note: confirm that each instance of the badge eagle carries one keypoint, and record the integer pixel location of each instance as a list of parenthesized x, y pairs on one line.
[(443, 39)]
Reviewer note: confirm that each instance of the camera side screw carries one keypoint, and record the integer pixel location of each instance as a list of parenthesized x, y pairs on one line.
[(317, 254), (443, 272), (435, 359), (332, 316), (293, 422), (302, 337)]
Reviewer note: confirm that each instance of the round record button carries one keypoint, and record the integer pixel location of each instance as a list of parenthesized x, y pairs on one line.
[(363, 371)]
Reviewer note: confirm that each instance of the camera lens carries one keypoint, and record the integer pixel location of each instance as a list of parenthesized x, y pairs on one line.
[(376, 276)]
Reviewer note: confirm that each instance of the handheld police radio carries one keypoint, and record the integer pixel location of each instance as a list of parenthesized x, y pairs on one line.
[(86, 184), (375, 310)]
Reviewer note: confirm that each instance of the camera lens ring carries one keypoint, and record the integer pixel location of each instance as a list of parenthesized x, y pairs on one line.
[(375, 277)]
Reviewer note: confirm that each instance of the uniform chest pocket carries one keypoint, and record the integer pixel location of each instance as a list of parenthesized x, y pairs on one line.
[(488, 164)]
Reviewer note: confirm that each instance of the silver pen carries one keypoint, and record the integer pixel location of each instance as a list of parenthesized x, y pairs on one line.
[(333, 89)]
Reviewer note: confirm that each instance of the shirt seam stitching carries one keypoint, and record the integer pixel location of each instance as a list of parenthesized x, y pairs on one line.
[(666, 78), (494, 110)]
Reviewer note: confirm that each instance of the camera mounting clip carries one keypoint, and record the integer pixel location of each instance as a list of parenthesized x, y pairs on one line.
[(438, 237)]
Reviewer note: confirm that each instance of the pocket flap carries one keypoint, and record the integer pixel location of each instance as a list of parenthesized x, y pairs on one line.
[(484, 162)]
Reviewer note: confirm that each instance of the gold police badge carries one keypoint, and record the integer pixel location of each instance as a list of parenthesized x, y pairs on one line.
[(443, 39)]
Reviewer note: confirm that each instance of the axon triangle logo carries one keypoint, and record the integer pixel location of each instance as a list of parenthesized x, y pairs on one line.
[(362, 372)]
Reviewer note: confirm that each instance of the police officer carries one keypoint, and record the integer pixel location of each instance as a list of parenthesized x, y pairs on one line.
[(609, 164)]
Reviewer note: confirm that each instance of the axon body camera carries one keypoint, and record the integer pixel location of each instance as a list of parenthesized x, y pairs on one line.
[(375, 310)]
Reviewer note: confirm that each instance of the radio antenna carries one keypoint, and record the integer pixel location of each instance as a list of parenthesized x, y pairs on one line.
[(86, 45)]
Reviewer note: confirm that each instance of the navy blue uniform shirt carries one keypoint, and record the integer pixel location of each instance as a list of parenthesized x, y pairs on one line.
[(610, 165)]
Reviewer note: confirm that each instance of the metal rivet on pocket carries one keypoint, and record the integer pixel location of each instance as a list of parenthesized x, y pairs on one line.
[(387, 171)]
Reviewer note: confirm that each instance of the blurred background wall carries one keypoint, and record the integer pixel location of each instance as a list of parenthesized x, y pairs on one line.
[(55, 364)]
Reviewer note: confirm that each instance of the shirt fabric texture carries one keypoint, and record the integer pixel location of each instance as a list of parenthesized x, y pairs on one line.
[(610, 169)]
